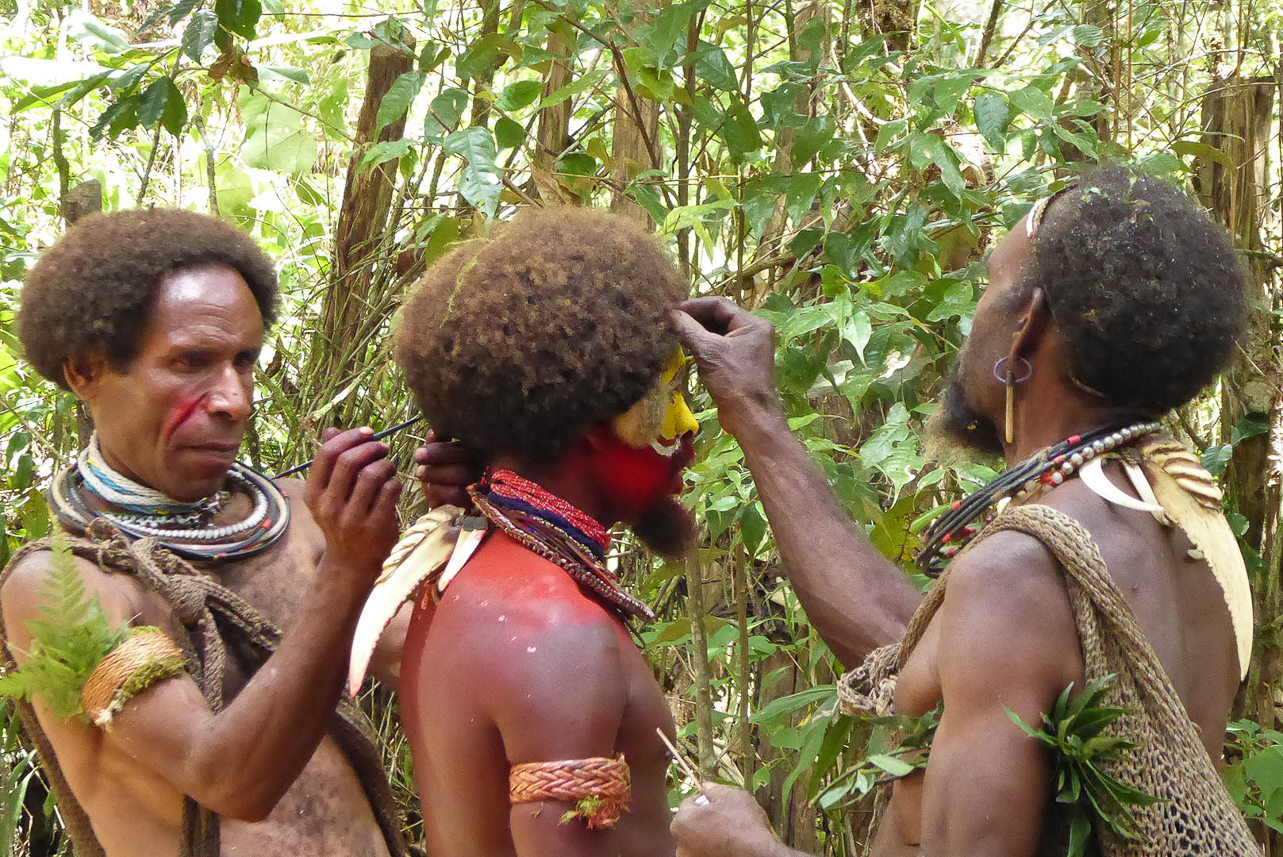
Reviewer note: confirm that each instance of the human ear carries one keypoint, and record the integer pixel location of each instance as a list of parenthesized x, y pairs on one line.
[(84, 374), (1033, 326), (599, 435)]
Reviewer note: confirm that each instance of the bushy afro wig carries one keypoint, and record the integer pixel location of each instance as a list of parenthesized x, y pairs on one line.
[(1147, 290), (92, 290), (558, 321)]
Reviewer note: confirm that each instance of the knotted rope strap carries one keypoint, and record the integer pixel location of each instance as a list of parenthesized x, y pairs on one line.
[(138, 663), (600, 788), (213, 621)]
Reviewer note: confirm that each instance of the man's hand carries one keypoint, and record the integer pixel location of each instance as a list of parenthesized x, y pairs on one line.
[(724, 822), (352, 492), (446, 469), (735, 352)]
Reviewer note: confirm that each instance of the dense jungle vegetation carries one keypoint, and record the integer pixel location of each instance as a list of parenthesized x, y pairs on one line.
[(839, 166)]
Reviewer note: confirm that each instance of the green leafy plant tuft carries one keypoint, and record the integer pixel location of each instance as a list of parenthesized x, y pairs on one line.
[(1073, 733), (69, 638)]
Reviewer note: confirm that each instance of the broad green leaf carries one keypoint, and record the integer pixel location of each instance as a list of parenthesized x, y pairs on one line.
[(383, 152), (444, 113), (739, 129), (162, 102), (290, 73), (992, 116), (199, 34), (239, 16), (1088, 35), (116, 118), (519, 95), (479, 183), (787, 704), (891, 765), (484, 55), (752, 527), (712, 66), (509, 134), (810, 138), (1252, 425), (84, 27), (943, 156), (1032, 101), (580, 84), (802, 188), (669, 26), (1191, 149), (397, 100), (277, 139)]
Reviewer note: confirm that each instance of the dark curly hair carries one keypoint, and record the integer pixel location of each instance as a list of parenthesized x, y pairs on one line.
[(93, 289), (1147, 290), (558, 321)]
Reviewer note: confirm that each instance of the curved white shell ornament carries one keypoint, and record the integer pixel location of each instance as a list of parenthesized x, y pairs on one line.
[(427, 547), (1093, 476)]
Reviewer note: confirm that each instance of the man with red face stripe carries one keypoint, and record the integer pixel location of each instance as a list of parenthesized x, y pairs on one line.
[(531, 714)]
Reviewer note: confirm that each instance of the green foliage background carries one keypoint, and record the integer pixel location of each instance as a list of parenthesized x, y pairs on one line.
[(840, 167)]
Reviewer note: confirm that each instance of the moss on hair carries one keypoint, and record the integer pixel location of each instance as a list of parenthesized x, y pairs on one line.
[(93, 289), (558, 321)]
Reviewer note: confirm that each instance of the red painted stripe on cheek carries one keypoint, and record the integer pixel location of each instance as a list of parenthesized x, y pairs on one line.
[(183, 409)]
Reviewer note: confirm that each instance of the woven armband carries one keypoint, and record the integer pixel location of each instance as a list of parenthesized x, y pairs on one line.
[(147, 657), (600, 788)]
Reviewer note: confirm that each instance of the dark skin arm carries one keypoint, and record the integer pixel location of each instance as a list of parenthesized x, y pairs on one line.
[(240, 761), (1011, 644), (856, 598), (1007, 641)]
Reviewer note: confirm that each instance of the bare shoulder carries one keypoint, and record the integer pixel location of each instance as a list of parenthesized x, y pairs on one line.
[(22, 593), (544, 661), (1006, 613)]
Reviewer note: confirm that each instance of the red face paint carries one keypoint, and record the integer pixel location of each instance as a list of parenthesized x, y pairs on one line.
[(639, 478), (183, 408)]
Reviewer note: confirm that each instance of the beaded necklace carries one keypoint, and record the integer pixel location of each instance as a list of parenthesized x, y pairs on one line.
[(185, 528), (551, 528), (1044, 469)]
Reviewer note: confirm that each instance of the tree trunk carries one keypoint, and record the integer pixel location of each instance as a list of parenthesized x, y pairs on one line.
[(361, 232), (634, 144), (1237, 120)]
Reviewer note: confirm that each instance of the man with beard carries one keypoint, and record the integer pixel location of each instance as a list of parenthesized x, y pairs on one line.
[(1109, 305), (202, 730), (531, 714)]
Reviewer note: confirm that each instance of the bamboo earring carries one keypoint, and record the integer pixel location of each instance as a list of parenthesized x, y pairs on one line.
[(1008, 378)]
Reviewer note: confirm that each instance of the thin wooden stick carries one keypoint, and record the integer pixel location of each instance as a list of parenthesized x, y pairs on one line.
[(687, 768), (396, 428)]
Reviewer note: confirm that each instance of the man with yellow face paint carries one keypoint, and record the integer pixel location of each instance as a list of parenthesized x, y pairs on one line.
[(531, 715)]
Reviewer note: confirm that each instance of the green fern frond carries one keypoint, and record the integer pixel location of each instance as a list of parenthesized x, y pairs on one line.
[(69, 637)]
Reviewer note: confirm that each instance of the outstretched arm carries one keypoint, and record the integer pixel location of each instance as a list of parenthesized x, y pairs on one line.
[(240, 761), (856, 598)]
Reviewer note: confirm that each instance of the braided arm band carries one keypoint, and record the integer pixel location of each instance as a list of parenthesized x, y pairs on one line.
[(600, 788), (147, 657)]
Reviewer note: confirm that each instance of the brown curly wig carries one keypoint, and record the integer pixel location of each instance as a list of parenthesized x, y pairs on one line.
[(1147, 290), (92, 290), (558, 321)]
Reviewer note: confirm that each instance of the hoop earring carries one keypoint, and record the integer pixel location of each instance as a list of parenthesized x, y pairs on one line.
[(1010, 380)]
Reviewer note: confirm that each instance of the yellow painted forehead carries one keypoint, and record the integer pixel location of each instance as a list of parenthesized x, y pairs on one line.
[(662, 415)]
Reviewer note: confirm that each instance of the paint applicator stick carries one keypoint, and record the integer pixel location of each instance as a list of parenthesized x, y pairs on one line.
[(387, 431), (687, 768)]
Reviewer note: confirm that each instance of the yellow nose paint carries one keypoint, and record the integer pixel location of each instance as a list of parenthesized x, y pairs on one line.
[(662, 415)]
